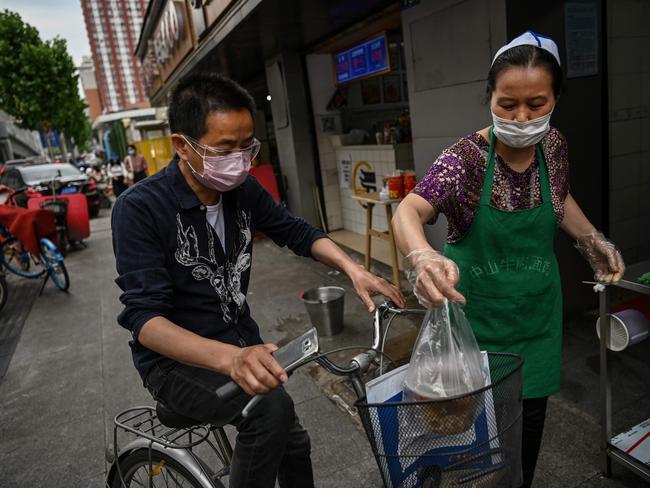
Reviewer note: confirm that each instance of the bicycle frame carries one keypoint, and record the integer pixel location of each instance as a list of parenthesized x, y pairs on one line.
[(223, 449), (361, 362)]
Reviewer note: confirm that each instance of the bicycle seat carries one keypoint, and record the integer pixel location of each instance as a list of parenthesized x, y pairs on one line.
[(169, 418)]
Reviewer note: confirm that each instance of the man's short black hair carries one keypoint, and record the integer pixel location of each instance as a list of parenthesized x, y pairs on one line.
[(199, 94)]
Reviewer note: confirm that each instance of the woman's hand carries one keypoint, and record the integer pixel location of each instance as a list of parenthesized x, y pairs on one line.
[(433, 276), (367, 285), (601, 253), (603, 256)]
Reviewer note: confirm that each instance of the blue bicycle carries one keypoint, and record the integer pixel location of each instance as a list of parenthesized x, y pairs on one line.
[(17, 259)]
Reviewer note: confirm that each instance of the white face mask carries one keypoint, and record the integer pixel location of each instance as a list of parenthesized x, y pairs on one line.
[(521, 134)]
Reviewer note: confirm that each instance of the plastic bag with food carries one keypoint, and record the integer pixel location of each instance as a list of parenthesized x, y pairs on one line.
[(446, 362)]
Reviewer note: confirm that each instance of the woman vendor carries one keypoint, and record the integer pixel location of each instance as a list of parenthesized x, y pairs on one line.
[(504, 190)]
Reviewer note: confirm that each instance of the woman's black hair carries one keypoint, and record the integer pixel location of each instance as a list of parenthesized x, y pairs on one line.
[(524, 57), (197, 95)]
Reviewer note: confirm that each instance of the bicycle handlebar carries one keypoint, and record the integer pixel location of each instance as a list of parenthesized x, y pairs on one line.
[(358, 364), (380, 314), (227, 392)]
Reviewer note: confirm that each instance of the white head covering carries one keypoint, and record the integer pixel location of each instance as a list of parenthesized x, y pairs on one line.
[(530, 38)]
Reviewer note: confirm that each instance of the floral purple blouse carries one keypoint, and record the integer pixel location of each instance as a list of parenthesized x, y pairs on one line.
[(454, 182)]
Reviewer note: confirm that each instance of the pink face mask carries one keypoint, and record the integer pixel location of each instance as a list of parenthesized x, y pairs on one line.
[(223, 173)]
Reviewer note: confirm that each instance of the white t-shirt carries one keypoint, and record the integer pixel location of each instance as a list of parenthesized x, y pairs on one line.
[(116, 170), (214, 214)]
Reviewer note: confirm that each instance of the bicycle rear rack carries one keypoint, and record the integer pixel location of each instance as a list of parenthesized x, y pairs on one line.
[(144, 422)]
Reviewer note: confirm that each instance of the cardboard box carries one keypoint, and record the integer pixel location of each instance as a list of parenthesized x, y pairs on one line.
[(635, 442)]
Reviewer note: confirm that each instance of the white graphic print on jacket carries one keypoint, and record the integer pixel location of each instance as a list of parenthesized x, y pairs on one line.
[(225, 279)]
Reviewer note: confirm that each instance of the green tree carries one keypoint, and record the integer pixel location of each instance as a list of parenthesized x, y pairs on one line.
[(38, 81), (117, 138), (15, 38), (70, 117)]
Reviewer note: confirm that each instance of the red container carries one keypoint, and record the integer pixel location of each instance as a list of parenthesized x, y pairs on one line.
[(409, 181), (395, 186), (78, 219)]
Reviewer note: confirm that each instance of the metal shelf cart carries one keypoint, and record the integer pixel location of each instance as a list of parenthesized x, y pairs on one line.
[(610, 452)]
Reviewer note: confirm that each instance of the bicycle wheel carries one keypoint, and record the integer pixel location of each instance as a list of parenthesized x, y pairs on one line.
[(4, 291), (163, 471), (17, 259), (55, 265)]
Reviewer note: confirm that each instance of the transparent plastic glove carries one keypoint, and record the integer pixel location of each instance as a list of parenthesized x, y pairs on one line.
[(603, 256), (433, 277)]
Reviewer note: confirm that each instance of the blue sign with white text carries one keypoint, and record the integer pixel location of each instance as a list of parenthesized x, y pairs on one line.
[(368, 58), (54, 138)]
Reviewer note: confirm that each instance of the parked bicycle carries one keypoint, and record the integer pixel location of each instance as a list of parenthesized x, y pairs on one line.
[(165, 450), (15, 257), (60, 208)]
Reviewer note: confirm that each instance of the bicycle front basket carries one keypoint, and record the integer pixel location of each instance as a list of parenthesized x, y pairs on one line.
[(473, 440)]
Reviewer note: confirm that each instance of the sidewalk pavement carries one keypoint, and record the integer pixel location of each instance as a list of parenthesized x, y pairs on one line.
[(71, 373)]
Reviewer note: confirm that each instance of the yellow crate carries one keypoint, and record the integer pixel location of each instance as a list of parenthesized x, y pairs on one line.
[(157, 152)]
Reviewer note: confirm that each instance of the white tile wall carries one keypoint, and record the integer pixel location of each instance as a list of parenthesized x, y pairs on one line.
[(625, 233), (625, 171), (629, 108), (644, 205), (627, 17), (625, 91), (625, 137), (645, 84), (644, 173), (624, 203), (382, 160), (645, 132), (624, 55)]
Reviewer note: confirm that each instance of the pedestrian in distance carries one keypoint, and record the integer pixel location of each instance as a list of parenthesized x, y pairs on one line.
[(117, 175), (135, 164)]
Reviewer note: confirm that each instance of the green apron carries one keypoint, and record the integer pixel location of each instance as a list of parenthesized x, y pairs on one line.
[(510, 278)]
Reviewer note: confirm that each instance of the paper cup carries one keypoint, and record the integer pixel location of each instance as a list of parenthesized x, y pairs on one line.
[(627, 327)]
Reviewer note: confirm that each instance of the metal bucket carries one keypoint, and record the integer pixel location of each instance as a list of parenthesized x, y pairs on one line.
[(325, 308)]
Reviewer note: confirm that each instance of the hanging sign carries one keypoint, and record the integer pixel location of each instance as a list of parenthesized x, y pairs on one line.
[(369, 58), (581, 27)]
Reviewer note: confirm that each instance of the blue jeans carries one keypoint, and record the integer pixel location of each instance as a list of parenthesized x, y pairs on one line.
[(271, 443)]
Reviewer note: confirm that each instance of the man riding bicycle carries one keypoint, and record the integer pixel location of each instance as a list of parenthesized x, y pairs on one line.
[(183, 245)]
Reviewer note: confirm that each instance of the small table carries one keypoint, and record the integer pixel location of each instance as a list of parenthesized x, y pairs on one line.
[(610, 452), (370, 200)]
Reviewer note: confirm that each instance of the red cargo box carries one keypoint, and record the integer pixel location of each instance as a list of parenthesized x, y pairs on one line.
[(266, 177), (78, 218)]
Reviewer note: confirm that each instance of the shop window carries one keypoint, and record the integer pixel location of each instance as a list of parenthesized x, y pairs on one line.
[(379, 104)]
